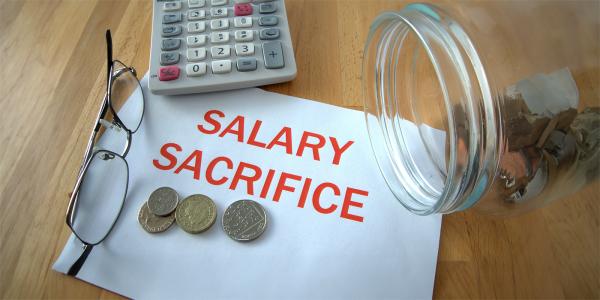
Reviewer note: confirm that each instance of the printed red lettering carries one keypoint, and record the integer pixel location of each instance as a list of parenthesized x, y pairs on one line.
[(267, 185), (304, 192), (314, 146), (196, 156), (317, 197), (281, 186), (285, 132), (337, 156), (239, 175), (238, 124), (252, 139), (348, 202), (164, 151), (211, 166), (210, 120)]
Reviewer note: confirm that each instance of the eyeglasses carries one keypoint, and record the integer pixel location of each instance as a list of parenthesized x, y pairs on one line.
[(101, 186)]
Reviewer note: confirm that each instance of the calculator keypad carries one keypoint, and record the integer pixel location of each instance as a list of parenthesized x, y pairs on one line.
[(196, 3), (244, 35), (220, 51), (169, 58), (171, 30), (196, 54), (221, 66), (269, 34), (267, 8), (242, 9), (170, 44), (219, 37), (246, 64), (197, 69), (196, 14)]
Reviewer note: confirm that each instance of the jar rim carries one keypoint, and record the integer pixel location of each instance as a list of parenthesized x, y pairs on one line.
[(465, 86)]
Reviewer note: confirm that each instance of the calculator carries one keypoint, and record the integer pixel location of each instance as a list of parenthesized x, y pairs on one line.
[(213, 45)]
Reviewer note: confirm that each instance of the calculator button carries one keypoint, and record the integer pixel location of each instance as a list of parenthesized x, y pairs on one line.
[(268, 21), (242, 22), (171, 30), (221, 66), (172, 6), (244, 49), (196, 3), (196, 27), (196, 54), (219, 37), (220, 51), (196, 14), (244, 35), (219, 24), (171, 18), (218, 2), (242, 9), (196, 40), (246, 64), (267, 8), (169, 58), (220, 12), (170, 44), (269, 34), (273, 55), (197, 69), (168, 73), (242, 1)]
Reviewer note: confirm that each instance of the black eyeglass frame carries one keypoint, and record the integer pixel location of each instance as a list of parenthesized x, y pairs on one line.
[(90, 152)]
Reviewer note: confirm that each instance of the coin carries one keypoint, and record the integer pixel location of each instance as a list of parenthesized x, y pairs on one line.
[(196, 213), (153, 223), (244, 220), (163, 201)]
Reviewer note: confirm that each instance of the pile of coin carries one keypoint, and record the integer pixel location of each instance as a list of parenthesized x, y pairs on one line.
[(243, 220), (156, 215)]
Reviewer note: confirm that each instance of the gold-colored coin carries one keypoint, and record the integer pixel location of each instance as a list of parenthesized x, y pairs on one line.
[(196, 213), (153, 223)]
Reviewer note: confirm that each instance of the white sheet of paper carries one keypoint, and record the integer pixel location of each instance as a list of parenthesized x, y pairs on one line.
[(303, 253)]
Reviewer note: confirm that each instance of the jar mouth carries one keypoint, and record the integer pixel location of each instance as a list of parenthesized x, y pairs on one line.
[(432, 122)]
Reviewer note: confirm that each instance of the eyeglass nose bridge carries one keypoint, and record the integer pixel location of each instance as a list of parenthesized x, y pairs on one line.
[(115, 126)]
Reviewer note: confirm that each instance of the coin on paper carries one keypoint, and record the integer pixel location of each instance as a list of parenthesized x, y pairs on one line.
[(244, 220), (163, 201), (196, 213), (153, 223)]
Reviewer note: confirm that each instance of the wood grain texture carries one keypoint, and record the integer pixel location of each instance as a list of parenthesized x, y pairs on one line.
[(52, 55)]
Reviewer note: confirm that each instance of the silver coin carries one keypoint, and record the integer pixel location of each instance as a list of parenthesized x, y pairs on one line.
[(244, 220), (163, 201)]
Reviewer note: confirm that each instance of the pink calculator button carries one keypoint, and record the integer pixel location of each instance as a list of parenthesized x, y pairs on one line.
[(242, 9), (168, 73)]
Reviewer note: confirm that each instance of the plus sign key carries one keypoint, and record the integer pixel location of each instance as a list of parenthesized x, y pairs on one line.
[(273, 55)]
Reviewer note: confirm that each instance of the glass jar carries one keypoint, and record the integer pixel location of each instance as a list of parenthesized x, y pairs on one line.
[(492, 105)]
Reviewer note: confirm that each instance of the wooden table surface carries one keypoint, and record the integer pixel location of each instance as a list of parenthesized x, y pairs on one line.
[(53, 55)]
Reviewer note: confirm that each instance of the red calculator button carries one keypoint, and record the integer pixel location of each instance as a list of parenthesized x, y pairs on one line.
[(168, 73), (242, 9)]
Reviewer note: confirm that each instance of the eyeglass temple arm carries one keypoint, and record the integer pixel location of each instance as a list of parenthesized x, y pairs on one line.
[(74, 269), (109, 58), (109, 64)]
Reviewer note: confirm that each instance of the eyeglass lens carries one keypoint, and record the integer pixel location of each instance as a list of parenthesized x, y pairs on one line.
[(100, 196), (127, 98)]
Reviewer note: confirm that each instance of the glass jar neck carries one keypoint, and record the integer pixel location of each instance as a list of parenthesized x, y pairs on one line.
[(470, 115)]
